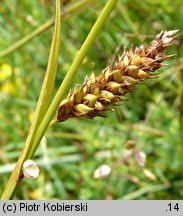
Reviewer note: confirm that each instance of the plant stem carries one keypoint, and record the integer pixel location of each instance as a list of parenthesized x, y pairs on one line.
[(28, 151), (71, 73), (45, 95)]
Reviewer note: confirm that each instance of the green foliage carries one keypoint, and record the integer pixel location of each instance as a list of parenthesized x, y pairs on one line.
[(71, 151)]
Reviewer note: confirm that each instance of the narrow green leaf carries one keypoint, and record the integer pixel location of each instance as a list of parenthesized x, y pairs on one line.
[(30, 148), (49, 80), (71, 73), (42, 105)]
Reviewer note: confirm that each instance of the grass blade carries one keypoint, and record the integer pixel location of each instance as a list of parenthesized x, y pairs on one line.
[(43, 102)]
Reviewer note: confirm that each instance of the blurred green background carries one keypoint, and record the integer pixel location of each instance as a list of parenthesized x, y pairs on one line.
[(71, 151)]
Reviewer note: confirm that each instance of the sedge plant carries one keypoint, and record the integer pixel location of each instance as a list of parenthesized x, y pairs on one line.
[(97, 93), (40, 124)]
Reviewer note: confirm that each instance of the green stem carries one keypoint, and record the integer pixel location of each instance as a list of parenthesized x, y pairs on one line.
[(71, 73), (67, 13), (45, 95), (29, 152)]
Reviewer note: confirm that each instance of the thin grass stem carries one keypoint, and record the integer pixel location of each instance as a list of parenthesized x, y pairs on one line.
[(28, 151)]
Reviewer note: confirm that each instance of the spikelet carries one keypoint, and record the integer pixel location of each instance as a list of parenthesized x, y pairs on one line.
[(132, 67)]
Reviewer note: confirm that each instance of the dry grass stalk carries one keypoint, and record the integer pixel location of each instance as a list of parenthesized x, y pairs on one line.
[(132, 67)]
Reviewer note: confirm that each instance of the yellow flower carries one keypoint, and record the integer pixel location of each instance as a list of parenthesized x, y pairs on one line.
[(8, 88), (5, 71)]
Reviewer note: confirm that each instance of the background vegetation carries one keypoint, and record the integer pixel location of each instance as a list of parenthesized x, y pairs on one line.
[(71, 151)]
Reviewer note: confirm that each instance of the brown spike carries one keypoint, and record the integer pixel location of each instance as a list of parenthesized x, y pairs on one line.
[(131, 68)]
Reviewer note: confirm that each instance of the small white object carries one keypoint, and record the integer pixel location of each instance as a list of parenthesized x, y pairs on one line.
[(30, 169), (149, 175), (140, 158), (102, 171)]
